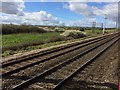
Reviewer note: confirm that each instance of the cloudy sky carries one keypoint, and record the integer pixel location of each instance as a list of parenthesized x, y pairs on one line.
[(69, 13)]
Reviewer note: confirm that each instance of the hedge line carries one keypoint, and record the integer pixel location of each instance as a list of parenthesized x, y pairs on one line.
[(13, 29)]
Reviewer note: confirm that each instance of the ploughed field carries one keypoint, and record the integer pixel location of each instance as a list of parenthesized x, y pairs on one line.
[(86, 65)]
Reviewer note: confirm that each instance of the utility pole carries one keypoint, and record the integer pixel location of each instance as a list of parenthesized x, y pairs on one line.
[(93, 26), (104, 24), (116, 26), (101, 27)]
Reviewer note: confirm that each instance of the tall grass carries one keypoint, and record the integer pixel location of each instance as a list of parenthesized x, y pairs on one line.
[(18, 41), (14, 39)]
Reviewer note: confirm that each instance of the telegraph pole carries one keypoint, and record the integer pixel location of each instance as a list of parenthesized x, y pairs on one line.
[(116, 26), (93, 26), (101, 27), (104, 24)]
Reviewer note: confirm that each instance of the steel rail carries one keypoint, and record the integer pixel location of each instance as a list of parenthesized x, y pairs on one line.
[(46, 59), (47, 72)]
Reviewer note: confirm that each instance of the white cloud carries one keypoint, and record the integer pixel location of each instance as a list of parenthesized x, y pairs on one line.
[(72, 0), (88, 22), (111, 9), (12, 7), (41, 17), (12, 12), (81, 8), (34, 18), (86, 0)]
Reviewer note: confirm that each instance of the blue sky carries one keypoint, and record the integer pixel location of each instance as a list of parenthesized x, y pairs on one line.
[(71, 13), (58, 9), (55, 8)]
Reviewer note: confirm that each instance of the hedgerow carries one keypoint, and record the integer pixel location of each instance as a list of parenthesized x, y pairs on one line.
[(13, 29)]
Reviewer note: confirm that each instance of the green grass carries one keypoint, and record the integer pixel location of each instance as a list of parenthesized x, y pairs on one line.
[(0, 40), (29, 48), (15, 39)]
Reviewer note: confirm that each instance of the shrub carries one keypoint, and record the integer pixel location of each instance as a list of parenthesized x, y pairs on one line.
[(82, 29), (56, 38), (59, 30), (13, 29), (48, 29), (74, 33)]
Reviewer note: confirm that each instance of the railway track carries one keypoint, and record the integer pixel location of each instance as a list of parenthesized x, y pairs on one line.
[(29, 63), (82, 67), (17, 65), (101, 74), (70, 61)]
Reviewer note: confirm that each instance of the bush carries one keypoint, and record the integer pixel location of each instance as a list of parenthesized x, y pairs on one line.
[(74, 33), (56, 38), (59, 30), (82, 29), (13, 29)]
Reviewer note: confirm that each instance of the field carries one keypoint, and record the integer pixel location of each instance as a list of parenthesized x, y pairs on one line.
[(15, 39)]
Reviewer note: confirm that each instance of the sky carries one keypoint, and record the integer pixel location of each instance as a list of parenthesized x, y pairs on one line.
[(67, 13)]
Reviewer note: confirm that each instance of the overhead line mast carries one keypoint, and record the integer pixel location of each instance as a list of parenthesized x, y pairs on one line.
[(104, 24)]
